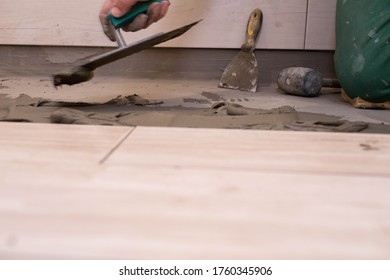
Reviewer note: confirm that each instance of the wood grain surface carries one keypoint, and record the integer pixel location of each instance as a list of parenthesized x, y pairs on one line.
[(75, 23), (85, 192)]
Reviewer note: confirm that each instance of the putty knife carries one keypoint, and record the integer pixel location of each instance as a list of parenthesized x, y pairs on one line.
[(84, 70), (242, 72)]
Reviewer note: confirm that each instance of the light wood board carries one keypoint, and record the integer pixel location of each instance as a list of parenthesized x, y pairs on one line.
[(175, 193), (75, 23)]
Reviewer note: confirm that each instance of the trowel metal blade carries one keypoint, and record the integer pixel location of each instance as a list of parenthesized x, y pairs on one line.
[(97, 61), (241, 73)]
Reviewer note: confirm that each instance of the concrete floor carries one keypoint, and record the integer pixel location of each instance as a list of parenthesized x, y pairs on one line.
[(177, 77), (187, 93)]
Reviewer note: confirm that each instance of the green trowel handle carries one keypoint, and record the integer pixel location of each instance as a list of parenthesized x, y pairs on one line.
[(139, 8)]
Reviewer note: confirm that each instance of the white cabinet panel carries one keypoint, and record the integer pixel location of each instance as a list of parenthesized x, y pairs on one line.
[(321, 21), (75, 23)]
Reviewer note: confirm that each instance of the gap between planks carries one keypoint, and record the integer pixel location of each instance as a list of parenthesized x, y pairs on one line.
[(116, 147)]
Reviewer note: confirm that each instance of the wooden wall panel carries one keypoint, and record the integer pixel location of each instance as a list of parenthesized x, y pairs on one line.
[(75, 23), (321, 18)]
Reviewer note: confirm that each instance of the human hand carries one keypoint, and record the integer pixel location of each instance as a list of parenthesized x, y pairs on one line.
[(118, 8)]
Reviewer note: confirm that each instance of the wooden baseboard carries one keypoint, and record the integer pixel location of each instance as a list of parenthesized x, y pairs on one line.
[(159, 62)]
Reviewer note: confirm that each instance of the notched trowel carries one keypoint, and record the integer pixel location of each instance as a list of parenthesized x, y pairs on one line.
[(242, 72), (84, 70)]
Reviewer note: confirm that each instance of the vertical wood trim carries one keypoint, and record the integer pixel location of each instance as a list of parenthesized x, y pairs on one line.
[(320, 29)]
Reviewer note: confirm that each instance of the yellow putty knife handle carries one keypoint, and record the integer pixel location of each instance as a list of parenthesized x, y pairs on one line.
[(139, 8), (253, 28)]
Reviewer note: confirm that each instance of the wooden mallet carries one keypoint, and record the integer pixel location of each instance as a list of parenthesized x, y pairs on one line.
[(305, 82)]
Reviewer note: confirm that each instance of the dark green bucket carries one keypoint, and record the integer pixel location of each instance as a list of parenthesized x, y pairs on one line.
[(362, 57)]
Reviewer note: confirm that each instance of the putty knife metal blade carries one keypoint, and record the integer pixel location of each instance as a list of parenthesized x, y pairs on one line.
[(146, 43), (84, 70)]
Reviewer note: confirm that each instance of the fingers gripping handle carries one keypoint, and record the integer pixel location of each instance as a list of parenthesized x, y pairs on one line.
[(253, 28), (139, 8)]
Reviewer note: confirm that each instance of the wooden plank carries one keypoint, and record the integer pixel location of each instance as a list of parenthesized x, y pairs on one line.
[(35, 144), (174, 193), (39, 156), (279, 152), (321, 25), (221, 215), (75, 23)]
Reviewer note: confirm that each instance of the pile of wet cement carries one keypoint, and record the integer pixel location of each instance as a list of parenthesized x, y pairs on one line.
[(134, 110)]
